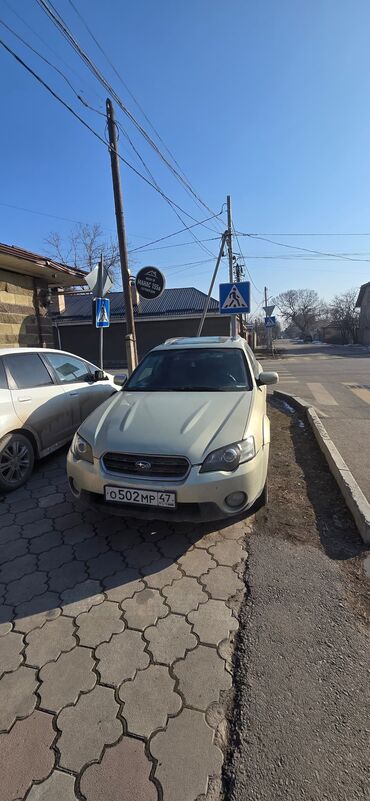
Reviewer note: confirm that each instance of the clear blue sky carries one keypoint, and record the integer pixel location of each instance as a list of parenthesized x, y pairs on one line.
[(266, 101)]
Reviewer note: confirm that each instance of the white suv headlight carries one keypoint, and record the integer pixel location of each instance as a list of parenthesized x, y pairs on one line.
[(229, 458), (81, 449)]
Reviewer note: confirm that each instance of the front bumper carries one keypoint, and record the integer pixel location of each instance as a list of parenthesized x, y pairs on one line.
[(200, 496)]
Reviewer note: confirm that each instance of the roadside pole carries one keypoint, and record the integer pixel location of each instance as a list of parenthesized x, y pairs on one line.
[(269, 330), (131, 349), (99, 294), (221, 253), (231, 267)]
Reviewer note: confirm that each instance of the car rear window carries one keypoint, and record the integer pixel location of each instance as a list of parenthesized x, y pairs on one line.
[(27, 370)]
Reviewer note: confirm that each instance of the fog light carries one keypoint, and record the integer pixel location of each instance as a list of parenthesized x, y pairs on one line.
[(236, 499)]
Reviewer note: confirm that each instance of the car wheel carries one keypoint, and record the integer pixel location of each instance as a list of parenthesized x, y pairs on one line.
[(263, 499), (16, 461)]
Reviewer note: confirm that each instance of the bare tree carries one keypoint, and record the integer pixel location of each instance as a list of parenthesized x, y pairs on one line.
[(302, 307), (345, 315), (83, 248)]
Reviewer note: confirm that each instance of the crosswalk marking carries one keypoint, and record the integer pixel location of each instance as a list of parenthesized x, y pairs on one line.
[(321, 395), (360, 390)]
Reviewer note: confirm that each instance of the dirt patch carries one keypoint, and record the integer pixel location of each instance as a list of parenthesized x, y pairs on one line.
[(305, 504)]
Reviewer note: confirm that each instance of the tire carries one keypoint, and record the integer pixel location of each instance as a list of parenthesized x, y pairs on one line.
[(263, 499), (17, 459)]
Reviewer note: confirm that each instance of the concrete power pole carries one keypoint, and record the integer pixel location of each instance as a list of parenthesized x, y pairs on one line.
[(231, 266), (131, 349), (269, 330)]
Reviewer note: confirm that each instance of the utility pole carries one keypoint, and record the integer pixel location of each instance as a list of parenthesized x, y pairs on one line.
[(238, 274), (231, 267), (131, 349), (99, 294), (269, 330)]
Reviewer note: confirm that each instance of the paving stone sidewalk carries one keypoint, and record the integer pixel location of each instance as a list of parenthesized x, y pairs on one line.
[(115, 650)]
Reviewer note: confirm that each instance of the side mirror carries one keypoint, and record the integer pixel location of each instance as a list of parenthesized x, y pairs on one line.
[(99, 375), (265, 379), (120, 380)]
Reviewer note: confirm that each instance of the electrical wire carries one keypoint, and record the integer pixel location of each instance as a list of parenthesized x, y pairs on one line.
[(245, 263), (95, 133), (58, 21), (297, 247)]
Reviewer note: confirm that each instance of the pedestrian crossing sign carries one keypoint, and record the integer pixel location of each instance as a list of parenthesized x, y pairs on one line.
[(102, 312), (235, 298)]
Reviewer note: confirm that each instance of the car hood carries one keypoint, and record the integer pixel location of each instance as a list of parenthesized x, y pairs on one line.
[(187, 424)]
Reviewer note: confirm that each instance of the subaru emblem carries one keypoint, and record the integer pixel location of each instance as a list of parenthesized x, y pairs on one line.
[(143, 465)]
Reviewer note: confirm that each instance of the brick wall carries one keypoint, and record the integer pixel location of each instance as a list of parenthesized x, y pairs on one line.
[(23, 320)]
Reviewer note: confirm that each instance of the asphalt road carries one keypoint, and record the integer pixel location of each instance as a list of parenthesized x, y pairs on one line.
[(336, 380)]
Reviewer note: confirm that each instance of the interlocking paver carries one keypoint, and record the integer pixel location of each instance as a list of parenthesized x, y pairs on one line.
[(33, 530), (63, 680), (30, 516), (184, 595), (58, 787), (8, 531), (122, 775), (78, 533), (222, 582), (149, 699), (55, 557), (205, 540), (51, 500), (5, 626), (123, 584), (33, 614), (142, 555), (26, 588), (67, 575), (186, 756), (87, 727), (51, 640), (170, 639), (13, 548), (27, 748), (202, 676), (99, 623), (105, 565), (81, 597), (160, 573), (144, 609), (212, 622), (124, 540), (228, 552), (120, 658), (45, 541), (174, 546), (17, 695), (10, 651), (64, 521), (91, 547), (196, 562)]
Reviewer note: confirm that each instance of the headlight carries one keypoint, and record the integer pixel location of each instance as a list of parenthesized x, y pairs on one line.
[(231, 457), (81, 449)]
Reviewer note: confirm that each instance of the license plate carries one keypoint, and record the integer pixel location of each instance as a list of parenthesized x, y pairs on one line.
[(141, 497)]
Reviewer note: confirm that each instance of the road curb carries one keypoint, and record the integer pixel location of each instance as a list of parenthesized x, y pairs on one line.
[(353, 495)]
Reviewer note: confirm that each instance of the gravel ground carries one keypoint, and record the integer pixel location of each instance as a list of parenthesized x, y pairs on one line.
[(300, 723)]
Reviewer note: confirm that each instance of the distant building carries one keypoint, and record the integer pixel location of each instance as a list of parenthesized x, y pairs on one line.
[(176, 313), (28, 284), (363, 303)]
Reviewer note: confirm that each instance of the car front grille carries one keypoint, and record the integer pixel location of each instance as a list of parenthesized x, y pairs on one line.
[(146, 466)]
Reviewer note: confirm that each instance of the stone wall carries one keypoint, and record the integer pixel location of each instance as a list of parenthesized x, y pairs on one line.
[(24, 322)]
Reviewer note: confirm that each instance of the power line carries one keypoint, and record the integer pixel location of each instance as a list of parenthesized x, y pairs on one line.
[(179, 244), (95, 133), (298, 247), (245, 264), (58, 21)]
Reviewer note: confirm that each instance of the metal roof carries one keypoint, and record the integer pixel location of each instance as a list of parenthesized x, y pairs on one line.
[(19, 260), (173, 302)]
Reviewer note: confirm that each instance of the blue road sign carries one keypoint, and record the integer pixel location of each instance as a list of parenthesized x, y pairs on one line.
[(270, 322), (235, 298), (102, 312)]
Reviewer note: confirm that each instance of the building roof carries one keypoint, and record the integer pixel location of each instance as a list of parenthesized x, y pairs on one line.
[(179, 302), (361, 294), (25, 262)]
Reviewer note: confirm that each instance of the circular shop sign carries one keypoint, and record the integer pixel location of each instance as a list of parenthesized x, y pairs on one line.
[(150, 282)]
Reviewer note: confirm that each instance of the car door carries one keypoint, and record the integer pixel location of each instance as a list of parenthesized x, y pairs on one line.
[(39, 402), (76, 377)]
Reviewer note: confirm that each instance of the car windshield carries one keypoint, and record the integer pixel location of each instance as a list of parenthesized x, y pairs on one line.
[(192, 370)]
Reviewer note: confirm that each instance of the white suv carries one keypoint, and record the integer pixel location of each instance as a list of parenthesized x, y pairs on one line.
[(187, 438), (44, 396)]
